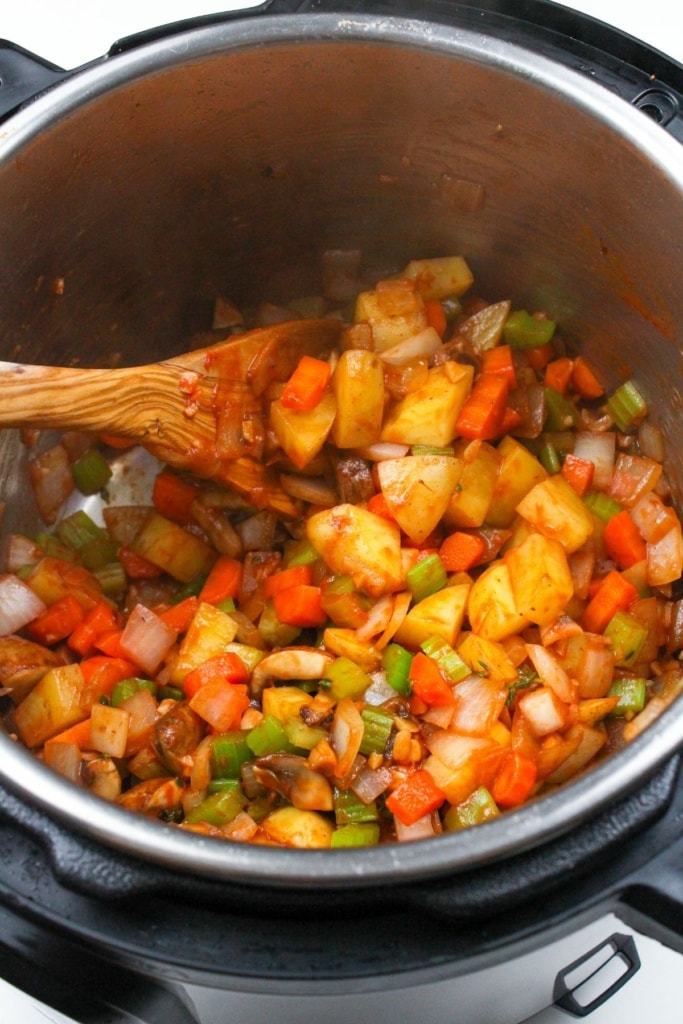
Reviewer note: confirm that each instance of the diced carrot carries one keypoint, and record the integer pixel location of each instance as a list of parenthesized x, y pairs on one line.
[(307, 384), (378, 505), (558, 374), (515, 780), (221, 704), (584, 380), (483, 413), (460, 551), (57, 622), (539, 357), (511, 420), (293, 576), (500, 360), (101, 619), (101, 674), (614, 594), (110, 644), (78, 734), (172, 497), (428, 683), (227, 667), (436, 316), (136, 567), (224, 580), (300, 606), (417, 796), (179, 616), (623, 541), (578, 472)]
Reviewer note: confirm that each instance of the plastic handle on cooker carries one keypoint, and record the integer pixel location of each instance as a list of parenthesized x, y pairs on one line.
[(23, 76), (616, 958)]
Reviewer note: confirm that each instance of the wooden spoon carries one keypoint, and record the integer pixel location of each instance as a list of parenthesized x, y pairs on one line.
[(174, 408)]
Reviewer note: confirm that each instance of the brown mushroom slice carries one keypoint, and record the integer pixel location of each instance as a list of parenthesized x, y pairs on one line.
[(291, 663), (176, 736), (23, 663), (290, 776)]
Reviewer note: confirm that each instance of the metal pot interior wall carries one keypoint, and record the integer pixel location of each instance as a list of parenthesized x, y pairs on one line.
[(228, 164)]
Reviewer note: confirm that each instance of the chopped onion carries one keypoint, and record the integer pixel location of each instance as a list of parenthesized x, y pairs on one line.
[(369, 783), (66, 759), (379, 616), (598, 448), (146, 639), (423, 828), (551, 672), (21, 551), (418, 346), (651, 441), (314, 489), (383, 450), (52, 481), (379, 691), (18, 604)]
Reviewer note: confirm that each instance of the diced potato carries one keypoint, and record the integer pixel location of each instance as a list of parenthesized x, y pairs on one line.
[(554, 508), (519, 471), (22, 664), (209, 633), (484, 329), (289, 826), (284, 702), (542, 584), (440, 614), (492, 609), (53, 704), (428, 415), (395, 311), (665, 558), (53, 578), (440, 277), (487, 657), (417, 489), (358, 543), (358, 387), (302, 434), (469, 503), (109, 729), (345, 644), (179, 553)]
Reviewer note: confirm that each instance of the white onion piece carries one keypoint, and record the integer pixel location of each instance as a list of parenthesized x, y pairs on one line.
[(369, 783), (651, 441), (598, 448), (378, 618), (423, 828), (383, 450), (18, 604), (21, 551), (146, 638), (379, 691), (551, 672), (314, 489), (418, 346)]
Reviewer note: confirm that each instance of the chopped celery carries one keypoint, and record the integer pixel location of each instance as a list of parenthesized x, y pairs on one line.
[(221, 785), (112, 578), (549, 457), (91, 472), (228, 605), (447, 658), (127, 687), (229, 751), (98, 553), (170, 693), (377, 726), (274, 632), (601, 505), (476, 809), (346, 679), (268, 737), (349, 809), (78, 530), (426, 577), (396, 662), (356, 835), (560, 413), (301, 553), (191, 589), (632, 694), (431, 449), (627, 407), (522, 330), (302, 736), (627, 636), (218, 808)]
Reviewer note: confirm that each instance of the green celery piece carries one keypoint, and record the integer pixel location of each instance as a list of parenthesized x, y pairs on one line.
[(602, 505), (627, 636), (91, 472), (522, 330), (78, 530), (170, 693), (346, 679), (396, 662), (302, 553), (431, 449), (446, 657), (348, 809), (627, 407), (549, 457), (125, 688), (377, 726), (366, 834), (221, 785), (426, 577), (269, 737), (302, 736), (560, 413), (475, 810), (274, 632), (112, 578), (219, 808), (229, 751), (191, 589), (632, 694)]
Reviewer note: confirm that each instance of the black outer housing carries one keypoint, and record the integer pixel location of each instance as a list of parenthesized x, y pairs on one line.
[(61, 893)]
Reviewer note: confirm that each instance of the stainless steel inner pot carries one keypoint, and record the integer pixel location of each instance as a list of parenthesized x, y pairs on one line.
[(226, 159)]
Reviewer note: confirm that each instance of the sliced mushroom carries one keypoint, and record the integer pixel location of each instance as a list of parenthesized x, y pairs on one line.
[(161, 798), (292, 663), (290, 776), (176, 735), (22, 664)]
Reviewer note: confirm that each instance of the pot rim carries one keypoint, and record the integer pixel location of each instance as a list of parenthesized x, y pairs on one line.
[(515, 832)]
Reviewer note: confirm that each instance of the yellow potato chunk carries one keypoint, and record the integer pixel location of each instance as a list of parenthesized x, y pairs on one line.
[(440, 614), (554, 508), (395, 311), (492, 609), (53, 704), (417, 489), (428, 415), (302, 434), (179, 553), (469, 503), (289, 826), (208, 634), (440, 277), (358, 543), (358, 386), (487, 657), (518, 472), (541, 579)]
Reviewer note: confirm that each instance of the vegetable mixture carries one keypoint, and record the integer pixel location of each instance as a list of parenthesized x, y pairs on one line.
[(473, 602)]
